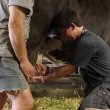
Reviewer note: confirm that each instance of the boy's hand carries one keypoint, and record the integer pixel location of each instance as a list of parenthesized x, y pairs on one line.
[(40, 69), (39, 79)]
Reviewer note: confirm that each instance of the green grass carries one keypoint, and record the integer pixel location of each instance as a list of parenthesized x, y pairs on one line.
[(51, 103)]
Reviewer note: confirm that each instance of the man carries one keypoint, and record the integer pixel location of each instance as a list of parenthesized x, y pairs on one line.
[(87, 51), (14, 27)]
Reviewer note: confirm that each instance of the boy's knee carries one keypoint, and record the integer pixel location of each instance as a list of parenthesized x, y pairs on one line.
[(92, 109)]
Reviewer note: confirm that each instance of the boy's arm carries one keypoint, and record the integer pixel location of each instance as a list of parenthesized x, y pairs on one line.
[(56, 73)]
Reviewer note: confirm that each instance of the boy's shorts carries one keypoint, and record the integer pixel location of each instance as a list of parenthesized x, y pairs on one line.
[(99, 98)]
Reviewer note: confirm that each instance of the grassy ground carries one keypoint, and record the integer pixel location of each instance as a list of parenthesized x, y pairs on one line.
[(50, 103)]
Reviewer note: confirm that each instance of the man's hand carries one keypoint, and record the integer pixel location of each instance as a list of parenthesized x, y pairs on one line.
[(28, 70), (40, 69)]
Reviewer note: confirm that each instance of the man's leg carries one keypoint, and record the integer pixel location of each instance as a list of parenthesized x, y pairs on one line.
[(3, 98), (22, 100)]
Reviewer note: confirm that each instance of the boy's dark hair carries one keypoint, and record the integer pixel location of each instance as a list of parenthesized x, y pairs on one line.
[(65, 17)]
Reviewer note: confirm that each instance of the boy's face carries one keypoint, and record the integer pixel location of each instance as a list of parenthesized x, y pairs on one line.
[(69, 32)]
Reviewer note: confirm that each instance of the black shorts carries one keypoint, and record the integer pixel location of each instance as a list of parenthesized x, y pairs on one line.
[(98, 98)]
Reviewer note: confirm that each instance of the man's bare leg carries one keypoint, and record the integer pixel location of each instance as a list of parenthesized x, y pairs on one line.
[(3, 98), (22, 100)]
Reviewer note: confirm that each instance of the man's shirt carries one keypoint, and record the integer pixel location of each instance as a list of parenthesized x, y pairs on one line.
[(5, 46)]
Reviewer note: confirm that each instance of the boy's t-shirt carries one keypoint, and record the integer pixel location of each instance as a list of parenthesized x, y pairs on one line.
[(92, 55)]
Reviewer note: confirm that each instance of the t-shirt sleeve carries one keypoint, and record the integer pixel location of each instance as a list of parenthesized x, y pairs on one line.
[(83, 52), (27, 4)]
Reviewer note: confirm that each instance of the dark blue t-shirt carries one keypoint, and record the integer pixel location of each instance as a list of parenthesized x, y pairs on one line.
[(92, 55)]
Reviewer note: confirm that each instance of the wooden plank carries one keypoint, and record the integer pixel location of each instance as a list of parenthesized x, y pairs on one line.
[(64, 87)]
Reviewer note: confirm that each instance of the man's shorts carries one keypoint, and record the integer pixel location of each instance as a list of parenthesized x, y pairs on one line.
[(99, 98), (11, 77)]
